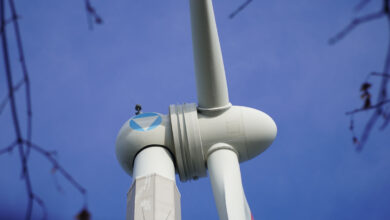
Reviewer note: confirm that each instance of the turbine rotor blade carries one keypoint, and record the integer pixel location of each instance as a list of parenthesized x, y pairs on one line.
[(225, 177), (209, 69)]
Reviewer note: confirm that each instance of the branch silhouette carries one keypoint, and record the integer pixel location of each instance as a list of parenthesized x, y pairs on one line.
[(4, 103), (361, 5), (25, 145), (354, 23), (49, 155), (92, 15), (9, 149), (368, 108), (380, 74), (15, 119), (240, 8), (26, 79), (381, 108)]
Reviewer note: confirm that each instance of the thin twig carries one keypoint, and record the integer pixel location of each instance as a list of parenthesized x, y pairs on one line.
[(18, 85), (9, 148), (367, 130), (354, 23), (240, 8), (49, 156), (24, 70), (3, 103), (386, 68), (380, 74), (40, 202), (380, 104), (56, 182), (7, 66), (386, 116), (361, 5), (92, 15)]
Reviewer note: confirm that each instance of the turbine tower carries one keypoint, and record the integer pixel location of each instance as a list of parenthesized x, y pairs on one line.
[(213, 135)]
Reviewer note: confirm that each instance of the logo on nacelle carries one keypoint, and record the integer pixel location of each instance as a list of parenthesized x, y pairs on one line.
[(145, 121)]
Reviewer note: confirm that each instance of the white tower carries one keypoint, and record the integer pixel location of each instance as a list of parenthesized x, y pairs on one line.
[(213, 136)]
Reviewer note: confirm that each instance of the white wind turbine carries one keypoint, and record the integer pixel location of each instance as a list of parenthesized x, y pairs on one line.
[(213, 136)]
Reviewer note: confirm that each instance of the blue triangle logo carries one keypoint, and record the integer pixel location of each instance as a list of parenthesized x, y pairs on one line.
[(145, 121)]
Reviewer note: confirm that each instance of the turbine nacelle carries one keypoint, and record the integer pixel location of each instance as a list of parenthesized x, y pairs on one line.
[(191, 136)]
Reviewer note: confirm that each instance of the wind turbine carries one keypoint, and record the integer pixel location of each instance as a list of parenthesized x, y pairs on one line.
[(213, 135)]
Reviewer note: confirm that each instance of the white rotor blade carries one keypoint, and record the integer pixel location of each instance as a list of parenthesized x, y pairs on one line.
[(210, 73), (225, 177)]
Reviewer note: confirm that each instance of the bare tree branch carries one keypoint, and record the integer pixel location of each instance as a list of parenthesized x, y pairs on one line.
[(26, 77), (382, 100), (380, 74), (386, 117), (24, 146), (18, 85), (7, 66), (240, 8), (9, 148), (57, 166), (3, 103), (92, 16), (378, 105), (386, 68), (367, 130), (6, 99), (41, 204), (354, 23), (361, 5)]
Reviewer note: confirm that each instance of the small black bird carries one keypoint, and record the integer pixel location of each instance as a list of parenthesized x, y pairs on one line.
[(138, 109)]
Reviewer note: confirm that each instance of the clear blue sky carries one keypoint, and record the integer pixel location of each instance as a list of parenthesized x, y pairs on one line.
[(85, 85)]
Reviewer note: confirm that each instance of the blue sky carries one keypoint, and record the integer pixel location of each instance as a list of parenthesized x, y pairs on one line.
[(85, 85)]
